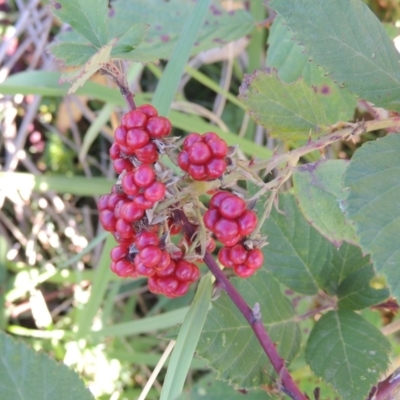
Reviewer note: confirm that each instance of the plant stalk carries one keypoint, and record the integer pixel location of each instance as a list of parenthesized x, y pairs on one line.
[(285, 383)]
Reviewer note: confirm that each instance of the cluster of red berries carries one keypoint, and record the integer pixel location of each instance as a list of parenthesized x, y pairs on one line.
[(142, 250), (203, 156), (243, 261), (136, 137), (168, 273), (123, 211), (230, 221)]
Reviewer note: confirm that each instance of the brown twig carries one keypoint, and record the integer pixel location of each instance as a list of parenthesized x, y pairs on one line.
[(253, 317)]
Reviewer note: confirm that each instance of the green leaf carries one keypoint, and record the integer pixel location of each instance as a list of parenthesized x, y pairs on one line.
[(166, 20), (97, 61), (88, 18), (348, 353), (228, 342), (27, 375), (373, 204), (209, 388), (129, 40), (72, 54), (287, 111), (347, 40), (356, 292), (319, 191), (343, 262), (186, 342), (289, 59), (171, 77), (78, 185), (297, 255)]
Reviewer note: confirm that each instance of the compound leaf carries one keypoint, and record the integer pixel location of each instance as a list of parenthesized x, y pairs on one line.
[(348, 41), (228, 343), (88, 18), (27, 375), (289, 59), (297, 255), (348, 353), (319, 191), (373, 204), (287, 111)]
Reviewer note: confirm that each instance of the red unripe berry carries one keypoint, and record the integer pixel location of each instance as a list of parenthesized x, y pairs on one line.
[(128, 183), (218, 147), (197, 172), (145, 239), (113, 200), (210, 218), (120, 135), (123, 268), (183, 270), (147, 154), (232, 207), (174, 228), (119, 252), (190, 139), (148, 110), (142, 202), (209, 135), (183, 160), (242, 271), (223, 257), (195, 273), (164, 262), (127, 151), (131, 212), (210, 245), (142, 269), (168, 271), (153, 286), (108, 220), (102, 204), (227, 231), (238, 254), (217, 198), (134, 119), (122, 164), (255, 259), (115, 151), (150, 256), (199, 153), (182, 289), (247, 222), (158, 127), (215, 168), (120, 240), (168, 285), (136, 138), (117, 209), (155, 192), (144, 176), (124, 228)]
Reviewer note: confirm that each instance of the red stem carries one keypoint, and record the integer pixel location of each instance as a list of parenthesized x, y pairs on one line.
[(386, 389), (287, 385)]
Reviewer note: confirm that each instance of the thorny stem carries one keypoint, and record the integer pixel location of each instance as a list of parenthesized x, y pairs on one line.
[(286, 382), (386, 389)]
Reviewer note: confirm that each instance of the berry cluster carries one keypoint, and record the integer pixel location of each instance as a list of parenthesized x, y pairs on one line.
[(230, 220), (203, 156), (243, 261), (136, 137), (146, 249), (123, 212)]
